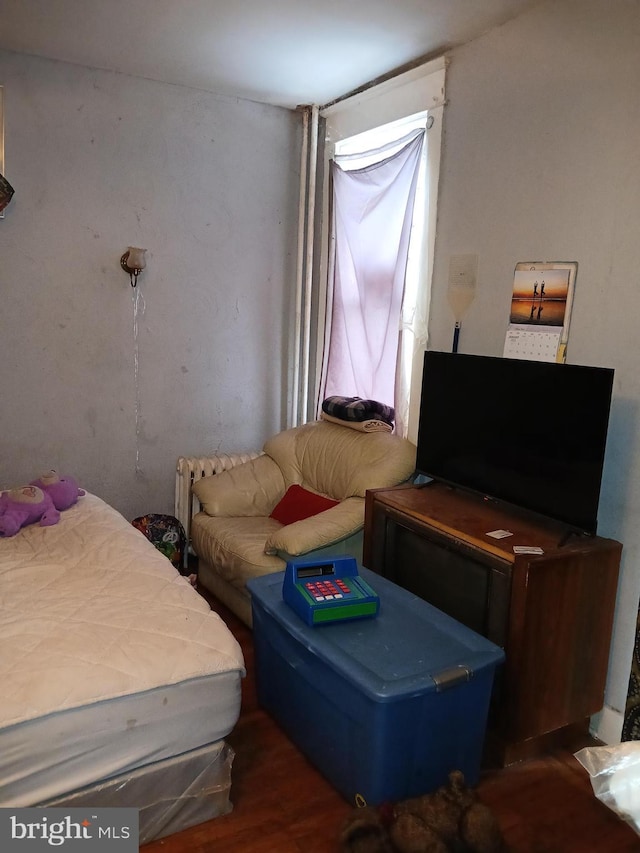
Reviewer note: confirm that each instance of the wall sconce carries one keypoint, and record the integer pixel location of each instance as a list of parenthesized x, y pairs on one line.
[(133, 262)]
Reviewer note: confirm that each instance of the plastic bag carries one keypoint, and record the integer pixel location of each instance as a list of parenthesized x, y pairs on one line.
[(615, 778)]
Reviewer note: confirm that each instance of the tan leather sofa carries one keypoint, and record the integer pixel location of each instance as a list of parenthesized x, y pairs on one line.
[(234, 534)]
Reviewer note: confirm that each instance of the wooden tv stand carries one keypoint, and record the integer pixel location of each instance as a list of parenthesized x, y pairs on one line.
[(552, 613)]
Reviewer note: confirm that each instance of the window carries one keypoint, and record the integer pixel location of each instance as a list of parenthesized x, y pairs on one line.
[(389, 111), (376, 176)]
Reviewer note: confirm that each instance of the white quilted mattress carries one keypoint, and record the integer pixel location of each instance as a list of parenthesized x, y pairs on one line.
[(109, 660)]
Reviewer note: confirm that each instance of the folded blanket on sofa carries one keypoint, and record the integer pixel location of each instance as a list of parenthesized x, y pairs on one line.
[(372, 425), (356, 409)]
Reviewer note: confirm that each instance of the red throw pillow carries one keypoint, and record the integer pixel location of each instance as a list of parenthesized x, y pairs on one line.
[(298, 503)]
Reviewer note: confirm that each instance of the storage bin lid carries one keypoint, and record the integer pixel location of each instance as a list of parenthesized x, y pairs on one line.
[(410, 648)]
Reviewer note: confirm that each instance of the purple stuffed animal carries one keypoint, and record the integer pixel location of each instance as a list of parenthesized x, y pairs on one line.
[(25, 505), (41, 500), (63, 490)]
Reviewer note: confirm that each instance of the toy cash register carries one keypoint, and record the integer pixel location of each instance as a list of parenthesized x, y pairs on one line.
[(328, 590)]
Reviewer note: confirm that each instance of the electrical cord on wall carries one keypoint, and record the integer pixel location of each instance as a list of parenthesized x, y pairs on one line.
[(138, 311)]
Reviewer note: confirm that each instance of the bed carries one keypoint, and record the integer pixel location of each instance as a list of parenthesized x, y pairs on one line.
[(119, 683)]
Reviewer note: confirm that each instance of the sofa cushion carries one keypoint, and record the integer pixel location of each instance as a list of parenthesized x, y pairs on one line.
[(340, 462), (299, 503), (235, 546), (336, 524), (251, 488)]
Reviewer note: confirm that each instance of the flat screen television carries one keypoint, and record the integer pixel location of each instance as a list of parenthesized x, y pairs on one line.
[(529, 433)]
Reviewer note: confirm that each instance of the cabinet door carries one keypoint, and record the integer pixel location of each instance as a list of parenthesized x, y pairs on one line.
[(467, 585), (561, 620), (445, 578)]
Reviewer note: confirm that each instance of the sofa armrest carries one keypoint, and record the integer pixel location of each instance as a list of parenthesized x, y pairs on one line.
[(250, 489), (320, 530)]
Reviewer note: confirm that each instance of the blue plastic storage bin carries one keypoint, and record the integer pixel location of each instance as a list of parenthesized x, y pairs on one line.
[(384, 707)]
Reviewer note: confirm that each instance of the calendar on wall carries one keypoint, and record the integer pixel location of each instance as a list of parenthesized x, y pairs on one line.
[(533, 344), (540, 311)]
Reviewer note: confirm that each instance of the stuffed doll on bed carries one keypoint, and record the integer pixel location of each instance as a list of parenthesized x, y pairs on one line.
[(41, 500)]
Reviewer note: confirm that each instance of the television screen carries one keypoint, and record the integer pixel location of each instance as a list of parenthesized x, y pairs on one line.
[(529, 433)]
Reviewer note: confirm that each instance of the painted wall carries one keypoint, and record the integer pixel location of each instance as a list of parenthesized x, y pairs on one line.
[(104, 382), (541, 162)]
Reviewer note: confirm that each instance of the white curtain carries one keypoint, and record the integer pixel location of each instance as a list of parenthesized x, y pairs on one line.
[(371, 225)]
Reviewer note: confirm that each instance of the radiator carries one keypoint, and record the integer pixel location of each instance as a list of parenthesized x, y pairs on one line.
[(189, 469)]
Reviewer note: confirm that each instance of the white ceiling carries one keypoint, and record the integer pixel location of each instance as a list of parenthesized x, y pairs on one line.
[(283, 52)]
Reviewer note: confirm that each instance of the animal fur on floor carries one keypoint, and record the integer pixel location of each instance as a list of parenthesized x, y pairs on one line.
[(450, 820)]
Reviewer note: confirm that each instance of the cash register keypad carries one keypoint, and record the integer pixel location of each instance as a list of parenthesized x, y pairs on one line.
[(328, 590)]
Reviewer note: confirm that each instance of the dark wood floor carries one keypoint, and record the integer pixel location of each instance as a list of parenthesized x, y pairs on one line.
[(282, 804)]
